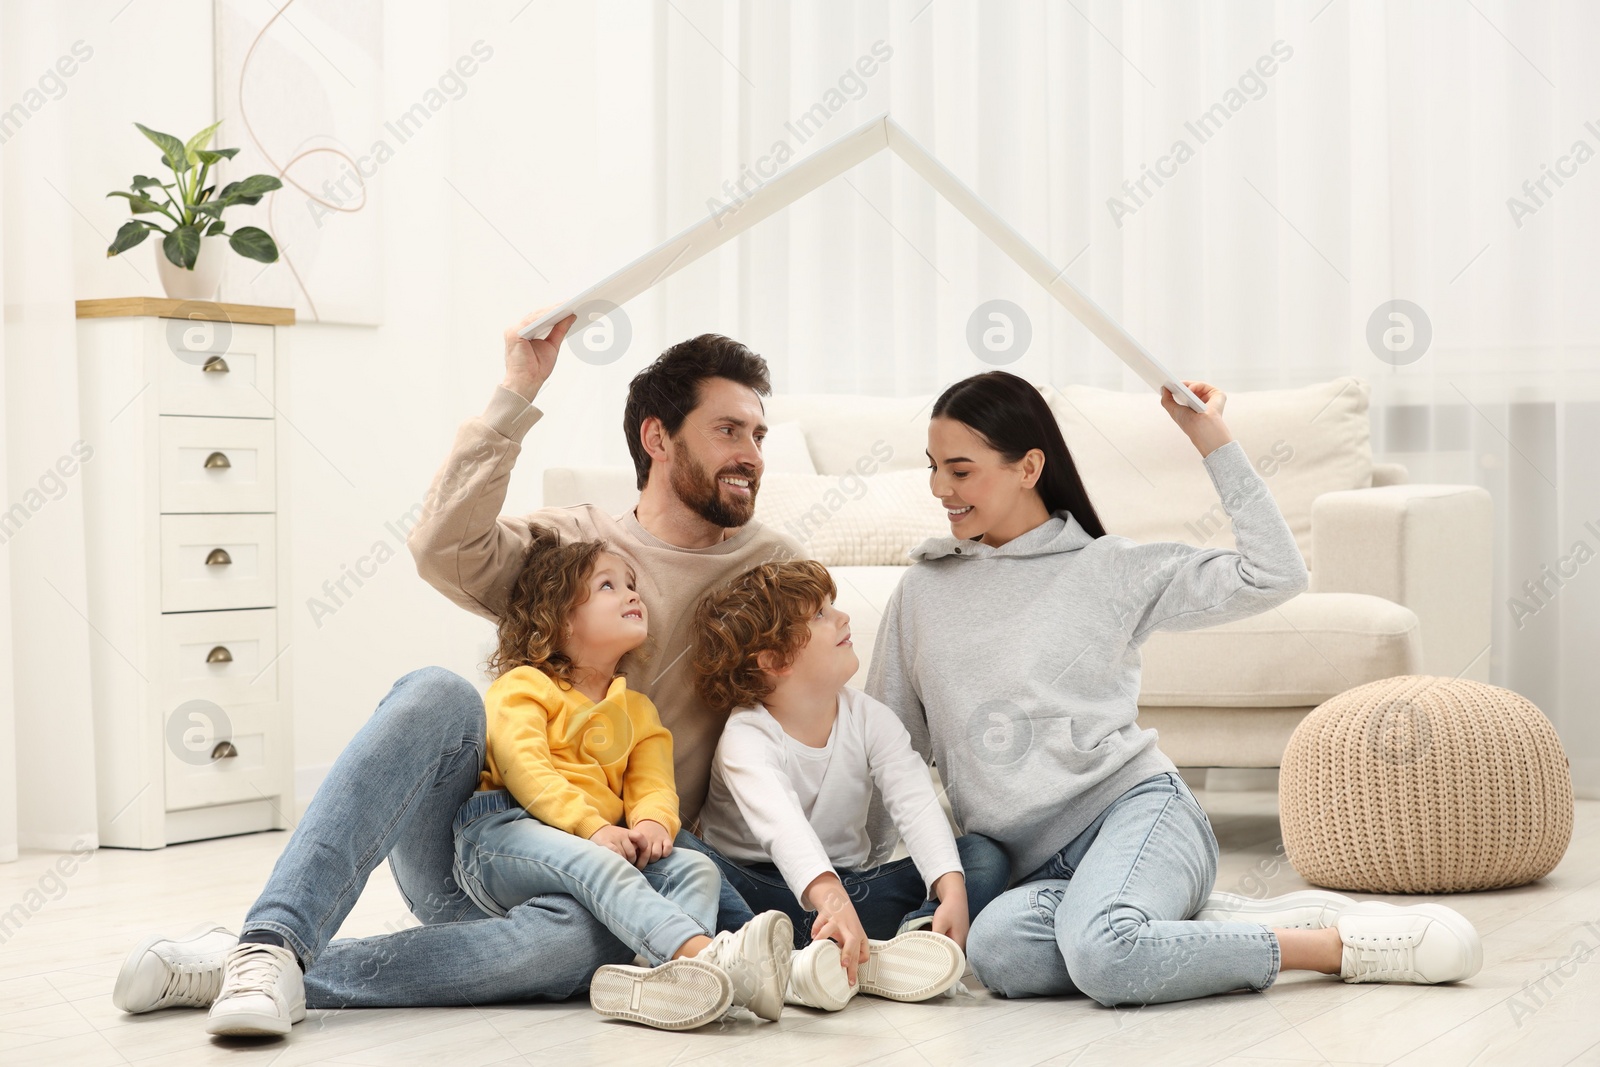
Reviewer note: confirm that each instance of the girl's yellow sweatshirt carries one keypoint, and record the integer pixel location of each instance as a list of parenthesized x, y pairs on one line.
[(575, 764)]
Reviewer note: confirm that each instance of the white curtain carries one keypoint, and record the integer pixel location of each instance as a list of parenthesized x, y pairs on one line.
[(1363, 152), (47, 756)]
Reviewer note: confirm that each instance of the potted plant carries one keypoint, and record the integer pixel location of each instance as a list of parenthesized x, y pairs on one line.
[(190, 260)]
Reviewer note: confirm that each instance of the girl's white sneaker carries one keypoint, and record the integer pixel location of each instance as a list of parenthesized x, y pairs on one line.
[(756, 959), (263, 992), (174, 972), (678, 995), (1423, 943)]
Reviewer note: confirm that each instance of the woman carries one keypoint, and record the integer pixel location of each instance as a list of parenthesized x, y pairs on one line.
[(1011, 652)]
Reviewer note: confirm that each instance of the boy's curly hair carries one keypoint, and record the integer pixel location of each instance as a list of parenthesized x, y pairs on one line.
[(768, 608), (553, 582)]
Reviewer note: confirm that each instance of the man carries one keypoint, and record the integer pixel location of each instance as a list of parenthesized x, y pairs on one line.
[(694, 420)]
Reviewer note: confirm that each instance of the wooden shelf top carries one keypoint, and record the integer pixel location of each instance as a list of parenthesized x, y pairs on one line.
[(204, 310)]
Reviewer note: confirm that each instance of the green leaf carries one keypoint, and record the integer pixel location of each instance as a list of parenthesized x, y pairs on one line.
[(199, 141), (210, 207), (216, 155), (171, 148), (204, 193), (182, 246), (141, 205), (133, 231), (254, 243), (256, 185), (140, 181), (216, 228)]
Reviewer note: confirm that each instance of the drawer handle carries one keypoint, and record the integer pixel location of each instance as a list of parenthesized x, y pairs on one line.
[(216, 365), (218, 558), (217, 461), (220, 654), (224, 750)]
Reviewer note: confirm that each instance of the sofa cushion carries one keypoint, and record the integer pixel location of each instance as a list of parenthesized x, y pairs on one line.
[(1314, 647), (851, 520), (785, 450), (863, 594), (1141, 473), (843, 429)]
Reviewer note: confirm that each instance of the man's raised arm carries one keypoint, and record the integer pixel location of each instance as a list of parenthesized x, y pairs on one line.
[(462, 544)]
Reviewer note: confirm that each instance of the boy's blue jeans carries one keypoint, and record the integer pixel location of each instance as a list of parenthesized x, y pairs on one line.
[(504, 856), (886, 897)]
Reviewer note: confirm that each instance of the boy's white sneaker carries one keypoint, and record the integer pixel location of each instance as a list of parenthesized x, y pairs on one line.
[(914, 965), (678, 995), (263, 992), (756, 959), (174, 972), (1308, 909), (817, 978), (1423, 943)]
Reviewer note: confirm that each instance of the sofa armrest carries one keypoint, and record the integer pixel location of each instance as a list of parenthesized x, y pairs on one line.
[(1424, 546)]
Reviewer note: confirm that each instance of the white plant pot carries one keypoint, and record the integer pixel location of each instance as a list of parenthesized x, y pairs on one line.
[(202, 282)]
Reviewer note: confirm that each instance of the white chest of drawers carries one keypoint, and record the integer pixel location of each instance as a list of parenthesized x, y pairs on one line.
[(187, 540)]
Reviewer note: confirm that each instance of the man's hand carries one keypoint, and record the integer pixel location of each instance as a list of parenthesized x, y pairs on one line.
[(1208, 431), (950, 917), (651, 841), (837, 920), (618, 839), (529, 363)]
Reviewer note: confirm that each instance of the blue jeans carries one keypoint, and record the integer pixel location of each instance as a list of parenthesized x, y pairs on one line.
[(504, 856), (1108, 915), (886, 897), (393, 793)]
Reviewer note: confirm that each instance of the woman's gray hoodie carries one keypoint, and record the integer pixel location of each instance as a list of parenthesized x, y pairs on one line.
[(1016, 669)]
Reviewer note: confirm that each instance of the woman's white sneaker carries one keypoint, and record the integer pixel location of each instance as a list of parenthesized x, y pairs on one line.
[(1422, 943), (817, 978), (263, 992), (915, 965), (174, 972), (756, 959), (678, 995), (1308, 909)]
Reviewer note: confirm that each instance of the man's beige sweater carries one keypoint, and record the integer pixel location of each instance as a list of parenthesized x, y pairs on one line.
[(471, 553)]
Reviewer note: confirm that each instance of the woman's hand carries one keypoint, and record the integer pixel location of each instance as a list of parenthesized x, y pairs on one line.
[(837, 920), (950, 917), (529, 363), (1208, 431), (651, 841)]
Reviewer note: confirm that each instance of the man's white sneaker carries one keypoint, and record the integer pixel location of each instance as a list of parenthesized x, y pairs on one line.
[(263, 992), (1423, 943), (1308, 909), (817, 979), (174, 972), (915, 965), (678, 995), (756, 960)]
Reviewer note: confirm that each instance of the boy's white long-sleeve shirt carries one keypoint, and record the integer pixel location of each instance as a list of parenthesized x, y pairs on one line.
[(804, 809)]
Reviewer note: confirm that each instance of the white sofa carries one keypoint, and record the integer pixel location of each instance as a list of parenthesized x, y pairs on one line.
[(1400, 574)]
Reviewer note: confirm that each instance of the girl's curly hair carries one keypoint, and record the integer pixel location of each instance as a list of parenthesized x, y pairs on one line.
[(768, 608), (553, 582)]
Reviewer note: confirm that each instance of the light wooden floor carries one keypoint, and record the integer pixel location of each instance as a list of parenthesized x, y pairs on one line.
[(56, 974)]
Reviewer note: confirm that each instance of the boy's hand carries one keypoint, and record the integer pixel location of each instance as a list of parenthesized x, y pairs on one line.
[(837, 921), (618, 839), (651, 841), (950, 917)]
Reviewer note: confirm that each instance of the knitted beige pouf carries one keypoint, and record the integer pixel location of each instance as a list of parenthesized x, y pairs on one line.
[(1425, 785)]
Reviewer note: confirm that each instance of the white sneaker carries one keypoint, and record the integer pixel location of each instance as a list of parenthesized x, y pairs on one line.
[(1308, 909), (1423, 943), (756, 960), (817, 978), (678, 995), (263, 992), (915, 965), (174, 972)]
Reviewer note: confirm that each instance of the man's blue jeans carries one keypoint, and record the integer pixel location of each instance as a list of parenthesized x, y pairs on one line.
[(504, 856), (1108, 915), (886, 897), (393, 793)]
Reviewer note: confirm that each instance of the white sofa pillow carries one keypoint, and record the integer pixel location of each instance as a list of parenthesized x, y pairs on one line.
[(854, 519), (1146, 481), (842, 429), (785, 452)]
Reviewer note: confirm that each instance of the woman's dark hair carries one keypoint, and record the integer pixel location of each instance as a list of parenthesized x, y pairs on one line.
[(1012, 418), (669, 388)]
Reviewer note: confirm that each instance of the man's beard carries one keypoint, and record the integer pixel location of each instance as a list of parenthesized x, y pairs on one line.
[(703, 493)]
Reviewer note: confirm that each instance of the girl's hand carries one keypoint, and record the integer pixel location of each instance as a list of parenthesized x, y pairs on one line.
[(837, 921), (618, 839), (950, 918), (1208, 431), (651, 841), (529, 363)]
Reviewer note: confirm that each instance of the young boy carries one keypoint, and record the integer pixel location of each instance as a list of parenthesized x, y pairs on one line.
[(791, 783)]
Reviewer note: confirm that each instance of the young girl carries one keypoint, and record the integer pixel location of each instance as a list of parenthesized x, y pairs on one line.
[(790, 788), (1011, 652), (577, 797)]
